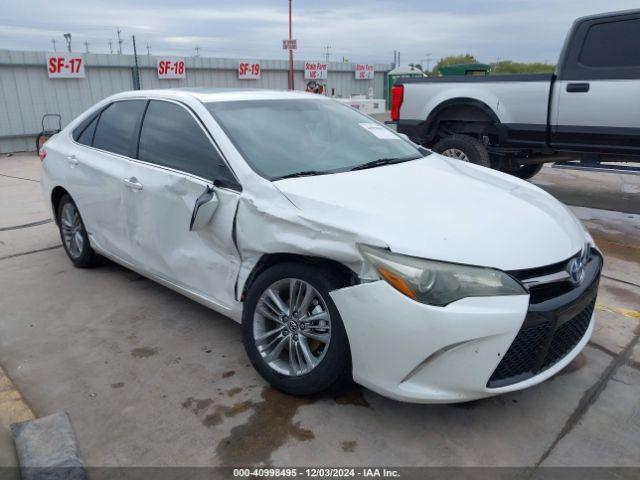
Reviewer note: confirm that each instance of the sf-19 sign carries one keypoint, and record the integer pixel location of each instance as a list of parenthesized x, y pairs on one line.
[(249, 70), (364, 71), (315, 71), (65, 65), (171, 68)]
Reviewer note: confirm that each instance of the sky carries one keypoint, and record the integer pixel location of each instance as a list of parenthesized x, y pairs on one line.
[(366, 32)]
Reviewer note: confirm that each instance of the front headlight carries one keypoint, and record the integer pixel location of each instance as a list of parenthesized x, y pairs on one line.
[(438, 283)]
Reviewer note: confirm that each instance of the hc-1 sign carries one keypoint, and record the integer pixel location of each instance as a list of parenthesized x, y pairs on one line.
[(65, 65), (249, 70), (170, 68), (364, 71), (315, 71)]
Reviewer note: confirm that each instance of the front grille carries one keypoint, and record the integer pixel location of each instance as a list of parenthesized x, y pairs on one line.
[(539, 347), (567, 336), (547, 291)]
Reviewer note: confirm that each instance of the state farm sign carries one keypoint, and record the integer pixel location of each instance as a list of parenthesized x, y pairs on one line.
[(65, 65), (249, 70), (364, 71), (315, 71), (171, 68)]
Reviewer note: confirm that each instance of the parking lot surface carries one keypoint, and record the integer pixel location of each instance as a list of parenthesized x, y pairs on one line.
[(150, 378)]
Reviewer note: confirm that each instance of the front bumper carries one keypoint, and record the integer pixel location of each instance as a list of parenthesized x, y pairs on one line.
[(414, 352)]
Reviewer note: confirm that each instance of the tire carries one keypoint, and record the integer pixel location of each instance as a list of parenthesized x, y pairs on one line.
[(74, 235), (473, 150), (333, 367), (526, 172)]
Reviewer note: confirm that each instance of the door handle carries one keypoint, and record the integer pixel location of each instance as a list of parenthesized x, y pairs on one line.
[(577, 87), (73, 161), (132, 183)]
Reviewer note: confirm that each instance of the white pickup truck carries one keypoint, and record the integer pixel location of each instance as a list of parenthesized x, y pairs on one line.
[(589, 108)]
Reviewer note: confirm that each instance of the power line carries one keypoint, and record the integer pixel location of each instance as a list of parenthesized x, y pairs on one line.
[(86, 46), (111, 46), (197, 49)]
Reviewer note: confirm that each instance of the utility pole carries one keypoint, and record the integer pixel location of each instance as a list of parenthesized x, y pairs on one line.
[(86, 46), (399, 59), (291, 86), (136, 71), (395, 59), (119, 41), (53, 40), (427, 59), (67, 37), (197, 49), (327, 53), (111, 47), (148, 50)]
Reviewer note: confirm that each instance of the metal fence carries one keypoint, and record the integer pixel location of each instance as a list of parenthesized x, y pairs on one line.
[(27, 93)]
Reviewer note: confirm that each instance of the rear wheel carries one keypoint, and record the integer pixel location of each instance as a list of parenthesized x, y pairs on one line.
[(464, 148), (73, 234), (292, 330)]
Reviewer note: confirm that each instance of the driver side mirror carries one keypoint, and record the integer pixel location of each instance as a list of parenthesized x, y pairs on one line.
[(206, 205)]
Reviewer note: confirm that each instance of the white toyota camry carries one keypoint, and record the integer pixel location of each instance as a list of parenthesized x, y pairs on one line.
[(345, 250)]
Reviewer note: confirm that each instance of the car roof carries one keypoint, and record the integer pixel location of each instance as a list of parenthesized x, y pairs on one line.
[(206, 95)]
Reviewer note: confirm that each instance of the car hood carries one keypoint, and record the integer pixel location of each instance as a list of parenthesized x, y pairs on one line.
[(443, 209)]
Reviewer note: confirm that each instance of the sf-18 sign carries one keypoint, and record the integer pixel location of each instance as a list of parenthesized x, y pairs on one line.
[(249, 70), (364, 71), (315, 71), (65, 65), (170, 68)]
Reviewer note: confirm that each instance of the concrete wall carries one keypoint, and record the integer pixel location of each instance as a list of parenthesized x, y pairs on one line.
[(27, 93)]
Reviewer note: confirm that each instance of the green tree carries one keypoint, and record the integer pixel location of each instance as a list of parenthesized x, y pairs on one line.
[(453, 60), (505, 67)]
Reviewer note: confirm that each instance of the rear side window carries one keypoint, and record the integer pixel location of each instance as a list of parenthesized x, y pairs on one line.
[(172, 137), (612, 44), (116, 130), (86, 137)]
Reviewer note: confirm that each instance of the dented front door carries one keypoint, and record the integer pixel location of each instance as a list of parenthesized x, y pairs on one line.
[(205, 261)]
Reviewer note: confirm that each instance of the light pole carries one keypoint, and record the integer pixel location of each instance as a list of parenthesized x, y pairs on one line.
[(291, 86)]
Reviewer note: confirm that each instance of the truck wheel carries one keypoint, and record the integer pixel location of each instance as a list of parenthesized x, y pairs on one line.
[(525, 172), (464, 148)]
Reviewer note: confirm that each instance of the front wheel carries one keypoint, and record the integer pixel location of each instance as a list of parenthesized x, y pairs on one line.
[(292, 330), (464, 148)]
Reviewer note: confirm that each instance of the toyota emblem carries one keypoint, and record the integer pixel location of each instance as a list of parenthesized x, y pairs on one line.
[(575, 268)]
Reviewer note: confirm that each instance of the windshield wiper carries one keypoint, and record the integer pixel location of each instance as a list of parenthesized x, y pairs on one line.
[(305, 173), (384, 161)]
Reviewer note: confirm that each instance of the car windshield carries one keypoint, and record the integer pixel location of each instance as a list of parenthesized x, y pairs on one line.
[(281, 138)]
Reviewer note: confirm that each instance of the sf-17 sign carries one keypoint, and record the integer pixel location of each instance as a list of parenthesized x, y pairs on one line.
[(171, 68), (364, 71), (65, 65), (249, 70), (315, 71)]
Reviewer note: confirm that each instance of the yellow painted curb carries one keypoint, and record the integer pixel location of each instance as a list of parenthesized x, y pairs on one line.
[(618, 310), (13, 408)]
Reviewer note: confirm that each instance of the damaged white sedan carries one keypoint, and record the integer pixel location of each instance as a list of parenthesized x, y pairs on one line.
[(345, 250)]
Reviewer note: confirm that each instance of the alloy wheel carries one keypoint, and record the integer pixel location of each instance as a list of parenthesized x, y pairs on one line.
[(456, 153), (72, 230), (292, 327)]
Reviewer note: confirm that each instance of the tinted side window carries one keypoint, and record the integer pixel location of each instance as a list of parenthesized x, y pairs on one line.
[(86, 137), (612, 44), (116, 131), (171, 137)]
